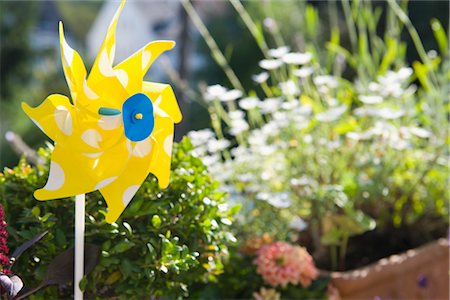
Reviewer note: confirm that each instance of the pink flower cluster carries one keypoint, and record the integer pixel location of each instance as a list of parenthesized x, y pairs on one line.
[(281, 263), (4, 259)]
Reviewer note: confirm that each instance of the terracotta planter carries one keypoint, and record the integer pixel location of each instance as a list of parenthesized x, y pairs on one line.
[(421, 273)]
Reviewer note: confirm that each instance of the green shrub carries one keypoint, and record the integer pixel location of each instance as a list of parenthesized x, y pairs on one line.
[(165, 240)]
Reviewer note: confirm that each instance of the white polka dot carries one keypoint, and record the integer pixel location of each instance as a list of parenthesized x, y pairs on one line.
[(105, 182), (142, 148), (37, 124), (56, 178), (63, 119), (122, 76), (129, 146), (110, 122), (88, 91), (112, 53), (91, 137), (104, 65), (93, 155), (129, 194), (68, 53), (146, 56), (168, 144)]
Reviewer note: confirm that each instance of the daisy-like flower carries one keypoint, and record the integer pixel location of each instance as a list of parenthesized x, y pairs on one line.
[(281, 263), (278, 52), (303, 72), (116, 130), (371, 99), (214, 92), (297, 58), (261, 77), (270, 64), (231, 95), (249, 103), (332, 114)]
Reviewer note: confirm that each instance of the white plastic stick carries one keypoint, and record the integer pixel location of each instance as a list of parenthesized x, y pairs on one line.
[(79, 245)]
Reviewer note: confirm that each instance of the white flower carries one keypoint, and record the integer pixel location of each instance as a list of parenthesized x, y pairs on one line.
[(236, 114), (302, 181), (331, 114), (304, 110), (420, 132), (230, 95), (278, 52), (270, 64), (246, 177), (385, 113), (210, 160), (261, 77), (298, 224), (214, 92), (270, 24), (290, 105), (280, 200), (215, 146), (404, 73), (238, 126), (289, 88), (370, 99), (257, 138), (270, 129), (358, 136), (270, 105), (308, 139), (249, 103), (239, 151), (200, 137), (297, 58), (390, 114), (303, 72), (325, 80)]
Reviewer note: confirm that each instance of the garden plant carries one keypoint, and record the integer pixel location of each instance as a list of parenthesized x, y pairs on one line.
[(339, 146)]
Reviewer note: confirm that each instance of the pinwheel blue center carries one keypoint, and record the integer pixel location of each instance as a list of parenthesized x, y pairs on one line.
[(137, 114), (138, 118)]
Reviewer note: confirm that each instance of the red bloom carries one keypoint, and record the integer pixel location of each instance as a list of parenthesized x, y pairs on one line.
[(4, 259)]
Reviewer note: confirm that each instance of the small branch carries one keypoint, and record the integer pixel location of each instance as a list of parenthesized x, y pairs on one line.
[(21, 148)]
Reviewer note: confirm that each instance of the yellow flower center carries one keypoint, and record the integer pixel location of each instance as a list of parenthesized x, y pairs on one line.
[(138, 116)]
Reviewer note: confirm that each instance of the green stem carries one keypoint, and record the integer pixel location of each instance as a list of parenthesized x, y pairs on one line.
[(256, 33), (212, 45)]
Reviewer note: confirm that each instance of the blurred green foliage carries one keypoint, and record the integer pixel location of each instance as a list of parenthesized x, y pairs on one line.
[(165, 239)]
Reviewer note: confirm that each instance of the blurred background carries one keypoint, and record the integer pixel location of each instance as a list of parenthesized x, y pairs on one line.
[(31, 66)]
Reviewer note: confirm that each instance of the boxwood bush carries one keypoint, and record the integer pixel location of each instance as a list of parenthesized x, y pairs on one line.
[(164, 241)]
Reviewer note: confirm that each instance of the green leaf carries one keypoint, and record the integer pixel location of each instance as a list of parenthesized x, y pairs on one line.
[(123, 246), (440, 35), (156, 221), (36, 211)]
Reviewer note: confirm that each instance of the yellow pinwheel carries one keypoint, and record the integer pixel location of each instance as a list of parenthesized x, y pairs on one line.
[(117, 129)]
